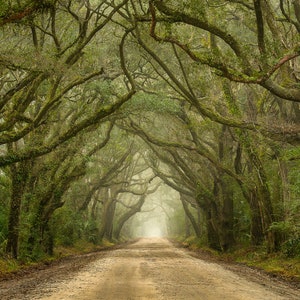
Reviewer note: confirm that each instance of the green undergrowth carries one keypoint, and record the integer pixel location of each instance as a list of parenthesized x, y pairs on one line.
[(81, 247), (273, 263), (277, 264), (10, 266)]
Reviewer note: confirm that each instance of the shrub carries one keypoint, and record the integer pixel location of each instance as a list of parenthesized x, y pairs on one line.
[(291, 248)]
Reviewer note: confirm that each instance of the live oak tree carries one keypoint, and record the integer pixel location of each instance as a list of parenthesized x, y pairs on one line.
[(47, 74), (232, 156), (13, 11), (206, 93), (141, 185), (44, 182), (44, 102), (110, 199), (91, 198), (204, 49), (184, 164), (257, 67)]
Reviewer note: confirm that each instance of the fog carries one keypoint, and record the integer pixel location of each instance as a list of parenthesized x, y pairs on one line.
[(153, 229), (154, 218)]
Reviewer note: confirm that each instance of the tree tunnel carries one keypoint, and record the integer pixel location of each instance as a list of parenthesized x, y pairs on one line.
[(126, 118)]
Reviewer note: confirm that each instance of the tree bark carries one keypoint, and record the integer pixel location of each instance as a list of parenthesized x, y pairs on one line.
[(227, 217), (212, 234), (190, 216), (18, 178)]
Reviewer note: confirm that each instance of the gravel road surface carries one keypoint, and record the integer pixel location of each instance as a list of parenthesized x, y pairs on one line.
[(151, 268)]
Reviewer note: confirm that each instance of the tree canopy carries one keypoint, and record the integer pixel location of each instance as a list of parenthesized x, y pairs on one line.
[(106, 105)]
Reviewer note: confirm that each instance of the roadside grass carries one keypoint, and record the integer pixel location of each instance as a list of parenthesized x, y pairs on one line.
[(10, 266), (80, 247), (276, 264)]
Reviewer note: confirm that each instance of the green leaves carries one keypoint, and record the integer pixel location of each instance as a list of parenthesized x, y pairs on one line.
[(159, 103)]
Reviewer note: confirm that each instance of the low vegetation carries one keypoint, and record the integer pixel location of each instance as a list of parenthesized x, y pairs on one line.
[(275, 264)]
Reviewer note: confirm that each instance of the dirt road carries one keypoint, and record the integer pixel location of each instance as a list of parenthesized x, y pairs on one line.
[(148, 269)]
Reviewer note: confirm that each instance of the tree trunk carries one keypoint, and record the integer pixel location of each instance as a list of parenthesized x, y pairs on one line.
[(227, 240), (212, 234), (187, 224), (256, 229), (18, 176), (105, 218), (125, 217), (190, 216), (110, 220), (35, 234), (47, 239), (224, 195)]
